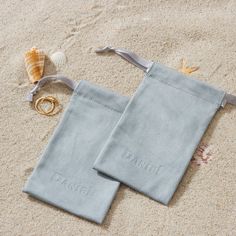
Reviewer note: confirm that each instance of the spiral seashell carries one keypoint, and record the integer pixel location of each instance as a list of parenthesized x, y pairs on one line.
[(58, 59), (34, 63)]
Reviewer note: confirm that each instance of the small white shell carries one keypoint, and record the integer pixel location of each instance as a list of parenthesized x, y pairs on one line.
[(58, 59)]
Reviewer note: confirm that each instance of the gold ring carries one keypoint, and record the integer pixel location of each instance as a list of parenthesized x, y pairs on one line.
[(40, 109), (50, 112)]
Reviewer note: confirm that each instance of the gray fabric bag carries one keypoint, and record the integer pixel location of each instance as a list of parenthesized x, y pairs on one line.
[(64, 176), (156, 136)]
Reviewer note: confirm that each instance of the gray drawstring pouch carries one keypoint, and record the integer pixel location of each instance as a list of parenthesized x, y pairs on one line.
[(64, 176), (151, 145)]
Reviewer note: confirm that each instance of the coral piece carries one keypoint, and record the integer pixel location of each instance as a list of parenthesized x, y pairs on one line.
[(186, 69), (203, 154), (34, 63)]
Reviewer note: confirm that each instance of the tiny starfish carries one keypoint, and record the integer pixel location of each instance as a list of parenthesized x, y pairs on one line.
[(186, 69)]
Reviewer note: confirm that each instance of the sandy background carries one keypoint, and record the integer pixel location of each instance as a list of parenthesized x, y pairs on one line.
[(203, 32)]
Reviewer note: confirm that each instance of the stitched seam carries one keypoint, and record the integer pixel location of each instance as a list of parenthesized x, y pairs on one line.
[(161, 81), (94, 101)]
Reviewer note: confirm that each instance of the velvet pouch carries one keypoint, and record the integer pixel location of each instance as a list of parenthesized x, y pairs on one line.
[(64, 176), (156, 136)]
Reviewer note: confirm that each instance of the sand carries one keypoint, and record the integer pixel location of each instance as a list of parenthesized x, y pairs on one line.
[(203, 32)]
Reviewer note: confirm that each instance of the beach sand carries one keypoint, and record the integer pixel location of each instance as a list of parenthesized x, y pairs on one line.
[(202, 32)]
